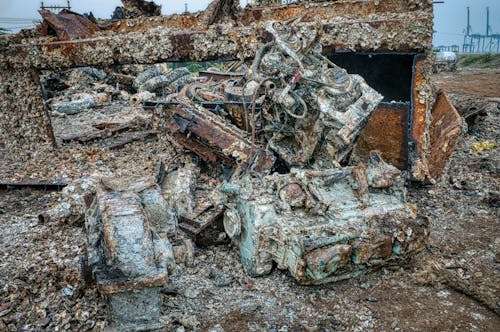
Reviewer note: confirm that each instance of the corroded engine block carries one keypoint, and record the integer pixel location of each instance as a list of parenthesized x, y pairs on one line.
[(323, 226)]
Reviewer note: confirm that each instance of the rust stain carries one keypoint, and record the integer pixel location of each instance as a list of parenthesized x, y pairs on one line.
[(120, 286), (311, 12), (386, 132)]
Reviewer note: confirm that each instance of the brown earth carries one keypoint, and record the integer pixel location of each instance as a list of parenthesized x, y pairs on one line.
[(40, 287), (477, 82)]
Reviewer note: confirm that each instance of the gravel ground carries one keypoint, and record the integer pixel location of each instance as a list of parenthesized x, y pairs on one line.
[(41, 289)]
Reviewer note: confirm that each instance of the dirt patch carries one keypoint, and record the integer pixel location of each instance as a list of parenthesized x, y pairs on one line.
[(478, 82)]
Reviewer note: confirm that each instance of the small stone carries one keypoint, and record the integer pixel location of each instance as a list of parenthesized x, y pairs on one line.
[(371, 299), (82, 315), (216, 328), (68, 291), (191, 293), (364, 285), (477, 316), (170, 289), (44, 322), (250, 308), (443, 294), (223, 280)]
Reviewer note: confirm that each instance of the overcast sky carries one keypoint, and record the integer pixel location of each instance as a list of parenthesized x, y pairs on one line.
[(450, 21)]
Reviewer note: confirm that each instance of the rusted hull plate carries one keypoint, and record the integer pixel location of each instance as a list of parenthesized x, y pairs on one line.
[(386, 132), (445, 128), (67, 25), (239, 42)]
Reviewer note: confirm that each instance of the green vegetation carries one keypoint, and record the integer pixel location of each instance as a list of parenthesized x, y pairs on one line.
[(481, 61)]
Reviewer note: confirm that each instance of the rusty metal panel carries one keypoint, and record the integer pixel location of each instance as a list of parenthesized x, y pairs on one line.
[(205, 134), (445, 127), (67, 25), (386, 132)]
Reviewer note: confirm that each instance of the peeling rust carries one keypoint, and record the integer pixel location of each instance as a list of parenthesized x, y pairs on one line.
[(392, 121)]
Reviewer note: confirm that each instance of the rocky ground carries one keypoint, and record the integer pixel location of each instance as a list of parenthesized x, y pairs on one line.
[(453, 286)]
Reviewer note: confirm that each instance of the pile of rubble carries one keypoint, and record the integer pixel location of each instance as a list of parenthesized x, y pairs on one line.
[(265, 153)]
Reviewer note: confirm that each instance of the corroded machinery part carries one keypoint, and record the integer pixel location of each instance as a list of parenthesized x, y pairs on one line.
[(163, 80), (325, 225), (127, 257), (314, 107)]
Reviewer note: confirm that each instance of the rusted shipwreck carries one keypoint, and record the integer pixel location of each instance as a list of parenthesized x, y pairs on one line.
[(387, 42), (333, 115)]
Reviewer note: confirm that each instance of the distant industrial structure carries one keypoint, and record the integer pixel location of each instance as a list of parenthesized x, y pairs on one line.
[(55, 7), (479, 43)]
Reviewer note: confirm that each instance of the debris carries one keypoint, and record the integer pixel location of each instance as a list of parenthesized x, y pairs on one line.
[(136, 8), (128, 137), (76, 198), (179, 186), (212, 139), (219, 10), (220, 279), (372, 299), (80, 103), (434, 271), (163, 80), (40, 185), (184, 252), (472, 108), (312, 98), (486, 145), (129, 260), (114, 135), (107, 129), (397, 28), (265, 155)]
